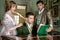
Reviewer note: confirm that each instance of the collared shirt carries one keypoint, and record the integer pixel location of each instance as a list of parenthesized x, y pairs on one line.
[(29, 26), (41, 11), (39, 16)]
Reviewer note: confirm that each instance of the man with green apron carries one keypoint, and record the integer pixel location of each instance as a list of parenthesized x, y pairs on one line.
[(43, 19), (28, 26)]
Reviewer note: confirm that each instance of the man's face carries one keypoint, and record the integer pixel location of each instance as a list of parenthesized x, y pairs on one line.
[(30, 19), (40, 6)]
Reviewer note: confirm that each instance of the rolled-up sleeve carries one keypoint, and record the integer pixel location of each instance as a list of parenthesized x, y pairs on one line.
[(50, 19)]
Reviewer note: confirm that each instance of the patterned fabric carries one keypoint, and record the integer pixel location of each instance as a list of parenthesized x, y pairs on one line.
[(38, 18), (44, 18), (8, 22)]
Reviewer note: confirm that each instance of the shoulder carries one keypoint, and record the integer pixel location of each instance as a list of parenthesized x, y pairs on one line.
[(46, 10), (49, 12), (24, 24), (5, 17)]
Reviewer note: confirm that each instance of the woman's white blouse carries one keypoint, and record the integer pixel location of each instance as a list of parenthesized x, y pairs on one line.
[(8, 22)]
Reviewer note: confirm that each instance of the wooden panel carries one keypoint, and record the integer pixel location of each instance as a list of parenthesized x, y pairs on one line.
[(22, 11)]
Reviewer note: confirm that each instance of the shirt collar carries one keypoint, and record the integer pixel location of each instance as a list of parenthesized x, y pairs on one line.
[(28, 24), (41, 11)]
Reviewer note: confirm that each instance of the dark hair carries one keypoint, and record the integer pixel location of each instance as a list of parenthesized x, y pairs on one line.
[(28, 14), (40, 2), (8, 5)]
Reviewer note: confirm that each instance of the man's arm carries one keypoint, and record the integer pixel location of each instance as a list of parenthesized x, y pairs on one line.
[(50, 21)]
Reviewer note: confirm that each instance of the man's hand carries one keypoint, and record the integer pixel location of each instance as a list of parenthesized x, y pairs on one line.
[(49, 29)]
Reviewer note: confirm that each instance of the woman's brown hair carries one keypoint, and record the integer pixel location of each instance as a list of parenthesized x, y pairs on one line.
[(8, 5)]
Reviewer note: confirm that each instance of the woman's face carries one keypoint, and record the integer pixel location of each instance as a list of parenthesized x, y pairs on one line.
[(13, 8)]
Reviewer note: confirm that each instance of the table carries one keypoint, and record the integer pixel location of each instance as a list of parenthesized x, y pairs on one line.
[(24, 37)]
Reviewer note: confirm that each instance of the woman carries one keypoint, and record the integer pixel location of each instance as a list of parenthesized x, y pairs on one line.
[(8, 20)]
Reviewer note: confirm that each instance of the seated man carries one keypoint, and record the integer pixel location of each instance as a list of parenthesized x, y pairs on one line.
[(28, 26)]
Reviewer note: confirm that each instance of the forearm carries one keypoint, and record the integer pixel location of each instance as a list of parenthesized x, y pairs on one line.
[(13, 28), (51, 21)]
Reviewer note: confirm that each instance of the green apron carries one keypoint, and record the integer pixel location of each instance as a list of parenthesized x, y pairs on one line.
[(23, 30)]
